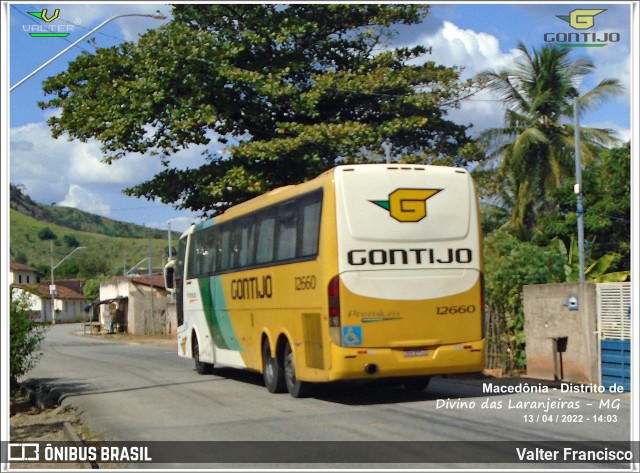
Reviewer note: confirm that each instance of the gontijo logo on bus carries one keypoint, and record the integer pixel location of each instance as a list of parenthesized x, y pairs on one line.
[(407, 205)]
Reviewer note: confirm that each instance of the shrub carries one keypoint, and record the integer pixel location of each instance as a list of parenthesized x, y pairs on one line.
[(25, 336), (47, 234), (71, 241), (511, 264)]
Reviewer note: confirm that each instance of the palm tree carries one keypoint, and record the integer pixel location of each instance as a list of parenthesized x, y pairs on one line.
[(536, 145)]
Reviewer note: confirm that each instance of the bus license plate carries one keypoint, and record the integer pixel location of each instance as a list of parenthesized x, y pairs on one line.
[(414, 353)]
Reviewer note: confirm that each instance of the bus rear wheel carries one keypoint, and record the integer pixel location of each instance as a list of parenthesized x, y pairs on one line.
[(272, 370), (201, 366), (295, 387)]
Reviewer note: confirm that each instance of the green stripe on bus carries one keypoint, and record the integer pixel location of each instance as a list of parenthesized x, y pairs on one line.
[(215, 308)]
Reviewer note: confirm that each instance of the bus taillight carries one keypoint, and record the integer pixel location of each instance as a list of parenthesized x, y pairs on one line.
[(334, 302)]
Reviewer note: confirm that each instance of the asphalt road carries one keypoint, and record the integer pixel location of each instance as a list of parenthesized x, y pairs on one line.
[(139, 392)]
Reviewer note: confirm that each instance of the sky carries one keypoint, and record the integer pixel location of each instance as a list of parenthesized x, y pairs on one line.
[(478, 36)]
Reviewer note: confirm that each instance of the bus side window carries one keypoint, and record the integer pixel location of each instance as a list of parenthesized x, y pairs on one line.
[(310, 229), (286, 232), (245, 241), (195, 259), (203, 254), (266, 231), (210, 254), (225, 248)]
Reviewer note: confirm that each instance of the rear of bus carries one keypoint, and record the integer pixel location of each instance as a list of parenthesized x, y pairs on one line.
[(408, 298)]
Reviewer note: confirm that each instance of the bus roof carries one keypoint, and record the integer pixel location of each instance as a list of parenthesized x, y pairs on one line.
[(285, 192)]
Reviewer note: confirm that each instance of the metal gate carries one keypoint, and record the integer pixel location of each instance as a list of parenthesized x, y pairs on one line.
[(614, 330)]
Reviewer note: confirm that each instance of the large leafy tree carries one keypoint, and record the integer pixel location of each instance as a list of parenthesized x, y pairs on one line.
[(607, 210), (536, 145), (288, 89)]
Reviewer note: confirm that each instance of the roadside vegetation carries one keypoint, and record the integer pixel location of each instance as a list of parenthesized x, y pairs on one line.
[(25, 336)]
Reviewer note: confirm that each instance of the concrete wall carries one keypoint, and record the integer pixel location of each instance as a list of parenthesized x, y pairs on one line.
[(547, 316), (140, 319)]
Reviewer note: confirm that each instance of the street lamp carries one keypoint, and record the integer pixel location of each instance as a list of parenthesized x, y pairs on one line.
[(157, 15), (52, 286), (126, 273)]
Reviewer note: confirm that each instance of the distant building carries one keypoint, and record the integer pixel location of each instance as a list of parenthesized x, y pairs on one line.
[(22, 274), (69, 301), (138, 304)]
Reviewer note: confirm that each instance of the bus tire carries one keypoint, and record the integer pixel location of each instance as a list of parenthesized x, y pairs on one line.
[(201, 366), (417, 383), (295, 387), (272, 370)]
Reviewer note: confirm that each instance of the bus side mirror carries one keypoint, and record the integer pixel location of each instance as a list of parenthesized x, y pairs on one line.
[(169, 275)]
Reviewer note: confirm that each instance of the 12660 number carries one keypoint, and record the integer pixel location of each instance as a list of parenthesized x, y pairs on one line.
[(455, 309), (305, 283)]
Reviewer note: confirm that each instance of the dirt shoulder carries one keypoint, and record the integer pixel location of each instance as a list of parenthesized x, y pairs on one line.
[(35, 417), (133, 339)]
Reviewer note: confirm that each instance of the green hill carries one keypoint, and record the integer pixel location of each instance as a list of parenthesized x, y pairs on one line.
[(42, 233), (77, 219)]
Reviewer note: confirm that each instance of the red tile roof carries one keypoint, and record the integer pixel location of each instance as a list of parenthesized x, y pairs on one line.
[(13, 266), (157, 280)]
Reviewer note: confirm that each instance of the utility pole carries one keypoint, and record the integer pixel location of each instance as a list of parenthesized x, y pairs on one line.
[(386, 146), (578, 186), (151, 281), (52, 286)]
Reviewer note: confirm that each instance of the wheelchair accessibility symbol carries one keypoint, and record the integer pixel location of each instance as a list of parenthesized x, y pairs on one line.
[(351, 336)]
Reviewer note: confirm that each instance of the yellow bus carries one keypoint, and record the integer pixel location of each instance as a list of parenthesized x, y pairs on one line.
[(368, 271)]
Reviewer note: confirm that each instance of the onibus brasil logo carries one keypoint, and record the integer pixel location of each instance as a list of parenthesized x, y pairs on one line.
[(48, 29), (582, 19), (407, 205)]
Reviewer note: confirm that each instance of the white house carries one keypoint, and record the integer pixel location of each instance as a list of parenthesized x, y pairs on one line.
[(69, 301)]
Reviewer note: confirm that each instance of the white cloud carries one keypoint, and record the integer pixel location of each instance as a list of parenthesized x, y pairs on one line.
[(80, 198), (623, 134), (54, 164), (613, 66), (476, 52), (454, 46), (72, 174)]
